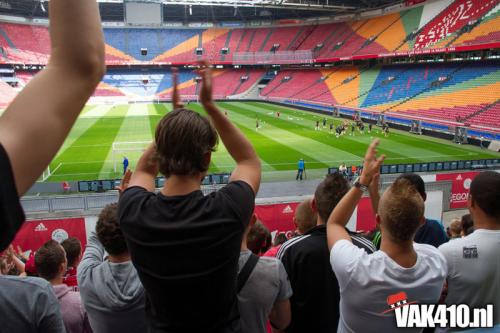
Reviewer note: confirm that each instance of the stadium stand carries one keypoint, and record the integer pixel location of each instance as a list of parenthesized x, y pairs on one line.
[(442, 91), (252, 78), (485, 32), (140, 82), (364, 36), (439, 84), (319, 35), (226, 83), (282, 37), (453, 18), (397, 88), (288, 83), (234, 40), (106, 90), (431, 25)]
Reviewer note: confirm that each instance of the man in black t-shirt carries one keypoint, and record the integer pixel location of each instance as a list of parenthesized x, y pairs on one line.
[(184, 245), (316, 295)]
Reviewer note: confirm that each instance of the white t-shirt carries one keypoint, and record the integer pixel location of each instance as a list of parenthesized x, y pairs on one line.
[(367, 281), (474, 270)]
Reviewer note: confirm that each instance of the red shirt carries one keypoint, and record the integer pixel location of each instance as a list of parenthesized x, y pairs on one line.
[(272, 252), (70, 278)]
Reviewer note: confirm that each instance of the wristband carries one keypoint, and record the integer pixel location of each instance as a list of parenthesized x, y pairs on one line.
[(362, 187)]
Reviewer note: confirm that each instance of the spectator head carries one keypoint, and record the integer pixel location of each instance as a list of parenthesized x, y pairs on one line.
[(328, 194), (185, 141), (484, 198), (305, 218), (50, 261), (401, 211), (455, 228), (73, 248), (258, 237), (280, 239), (109, 232), (416, 181), (467, 225)]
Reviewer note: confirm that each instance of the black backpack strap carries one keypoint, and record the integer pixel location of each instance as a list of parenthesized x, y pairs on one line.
[(246, 271)]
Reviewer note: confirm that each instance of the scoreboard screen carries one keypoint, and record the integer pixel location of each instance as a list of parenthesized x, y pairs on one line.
[(143, 13)]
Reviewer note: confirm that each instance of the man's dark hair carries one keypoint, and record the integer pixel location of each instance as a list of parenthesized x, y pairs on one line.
[(48, 259), (73, 248), (329, 193), (183, 138), (485, 192), (109, 232), (401, 210), (416, 181), (467, 224), (259, 238), (280, 239)]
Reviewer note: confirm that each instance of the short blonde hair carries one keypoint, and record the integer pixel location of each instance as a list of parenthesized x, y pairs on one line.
[(456, 227), (401, 210)]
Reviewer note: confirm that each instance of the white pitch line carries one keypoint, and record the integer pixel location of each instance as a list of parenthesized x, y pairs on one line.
[(57, 168), (52, 173)]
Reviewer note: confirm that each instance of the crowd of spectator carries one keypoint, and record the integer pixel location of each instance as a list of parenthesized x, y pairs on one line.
[(179, 261)]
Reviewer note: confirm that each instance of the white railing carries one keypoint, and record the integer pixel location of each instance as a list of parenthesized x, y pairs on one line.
[(279, 57)]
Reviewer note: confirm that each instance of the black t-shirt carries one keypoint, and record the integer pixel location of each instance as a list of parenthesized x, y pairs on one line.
[(186, 250), (316, 295), (11, 212), (431, 233)]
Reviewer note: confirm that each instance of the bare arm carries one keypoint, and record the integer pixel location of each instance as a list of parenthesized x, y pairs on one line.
[(38, 120), (345, 208), (125, 182), (15, 260), (146, 170), (248, 166), (281, 314)]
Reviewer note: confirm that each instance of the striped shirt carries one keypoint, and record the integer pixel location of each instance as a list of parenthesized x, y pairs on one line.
[(316, 296)]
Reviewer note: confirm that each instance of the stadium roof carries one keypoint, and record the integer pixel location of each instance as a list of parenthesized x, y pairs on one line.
[(189, 11)]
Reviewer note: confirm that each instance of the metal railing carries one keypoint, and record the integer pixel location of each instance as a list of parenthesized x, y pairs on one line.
[(80, 202), (279, 57)]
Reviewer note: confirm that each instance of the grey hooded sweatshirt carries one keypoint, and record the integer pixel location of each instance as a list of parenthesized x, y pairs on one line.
[(111, 293)]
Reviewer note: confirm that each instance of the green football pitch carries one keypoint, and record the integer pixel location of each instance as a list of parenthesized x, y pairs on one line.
[(88, 153)]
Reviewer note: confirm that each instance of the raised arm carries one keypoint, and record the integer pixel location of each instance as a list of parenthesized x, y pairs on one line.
[(93, 256), (248, 166), (146, 170), (345, 208), (35, 124), (11, 255)]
